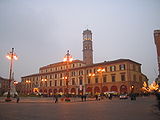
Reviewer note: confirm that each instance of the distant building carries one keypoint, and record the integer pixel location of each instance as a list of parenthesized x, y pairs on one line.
[(85, 77), (3, 85), (157, 42)]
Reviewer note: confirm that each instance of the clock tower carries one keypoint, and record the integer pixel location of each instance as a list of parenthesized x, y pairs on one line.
[(87, 47)]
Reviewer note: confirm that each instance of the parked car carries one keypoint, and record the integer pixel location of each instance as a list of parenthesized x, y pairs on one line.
[(123, 96)]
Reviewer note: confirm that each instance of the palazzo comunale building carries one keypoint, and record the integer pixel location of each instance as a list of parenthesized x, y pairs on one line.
[(84, 77)]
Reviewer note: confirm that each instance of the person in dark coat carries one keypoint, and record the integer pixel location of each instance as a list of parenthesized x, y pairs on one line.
[(17, 99), (56, 98)]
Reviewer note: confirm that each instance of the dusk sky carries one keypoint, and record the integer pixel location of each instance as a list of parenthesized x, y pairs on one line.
[(41, 31)]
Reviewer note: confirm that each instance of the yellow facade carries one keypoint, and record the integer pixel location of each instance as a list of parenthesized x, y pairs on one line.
[(118, 76)]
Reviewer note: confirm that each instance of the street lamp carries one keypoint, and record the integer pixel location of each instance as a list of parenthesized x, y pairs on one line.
[(90, 76), (67, 59), (101, 70), (44, 81), (27, 83), (11, 56)]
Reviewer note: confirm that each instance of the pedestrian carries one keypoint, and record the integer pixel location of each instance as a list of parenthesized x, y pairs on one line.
[(17, 99), (85, 97), (97, 97), (82, 97), (56, 98)]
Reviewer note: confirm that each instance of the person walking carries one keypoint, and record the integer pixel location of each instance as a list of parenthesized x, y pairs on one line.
[(56, 98), (17, 99)]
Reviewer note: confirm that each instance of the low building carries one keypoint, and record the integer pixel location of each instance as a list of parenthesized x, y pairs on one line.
[(118, 76), (3, 85)]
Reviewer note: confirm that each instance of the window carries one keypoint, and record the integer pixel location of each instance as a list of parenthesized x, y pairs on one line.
[(123, 77), (106, 69), (113, 78), (89, 80), (61, 75), (112, 68), (90, 71), (134, 67), (46, 83), (96, 80), (50, 83), (50, 76), (73, 65), (122, 67), (80, 81), (104, 79), (55, 83), (55, 76), (73, 81), (94, 70), (73, 73), (60, 82), (134, 77), (80, 72), (139, 69), (87, 72)]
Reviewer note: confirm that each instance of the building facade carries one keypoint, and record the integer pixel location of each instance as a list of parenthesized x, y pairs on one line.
[(84, 77), (157, 43), (3, 85)]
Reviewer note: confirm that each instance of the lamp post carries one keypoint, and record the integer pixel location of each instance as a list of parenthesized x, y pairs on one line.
[(91, 75), (27, 83), (43, 81), (67, 59), (100, 71), (11, 56)]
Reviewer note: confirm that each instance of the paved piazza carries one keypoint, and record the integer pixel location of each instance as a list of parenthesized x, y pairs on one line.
[(45, 109)]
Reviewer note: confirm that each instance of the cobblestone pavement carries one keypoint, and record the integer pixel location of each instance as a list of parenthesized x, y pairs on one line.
[(144, 108)]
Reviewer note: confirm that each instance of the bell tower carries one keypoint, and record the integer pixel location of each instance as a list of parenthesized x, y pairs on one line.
[(157, 42), (87, 47)]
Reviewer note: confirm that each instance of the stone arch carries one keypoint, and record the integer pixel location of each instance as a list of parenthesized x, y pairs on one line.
[(55, 91), (50, 92), (89, 90), (66, 91), (45, 91), (114, 88), (104, 89), (73, 91), (60, 90), (123, 89), (96, 90)]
